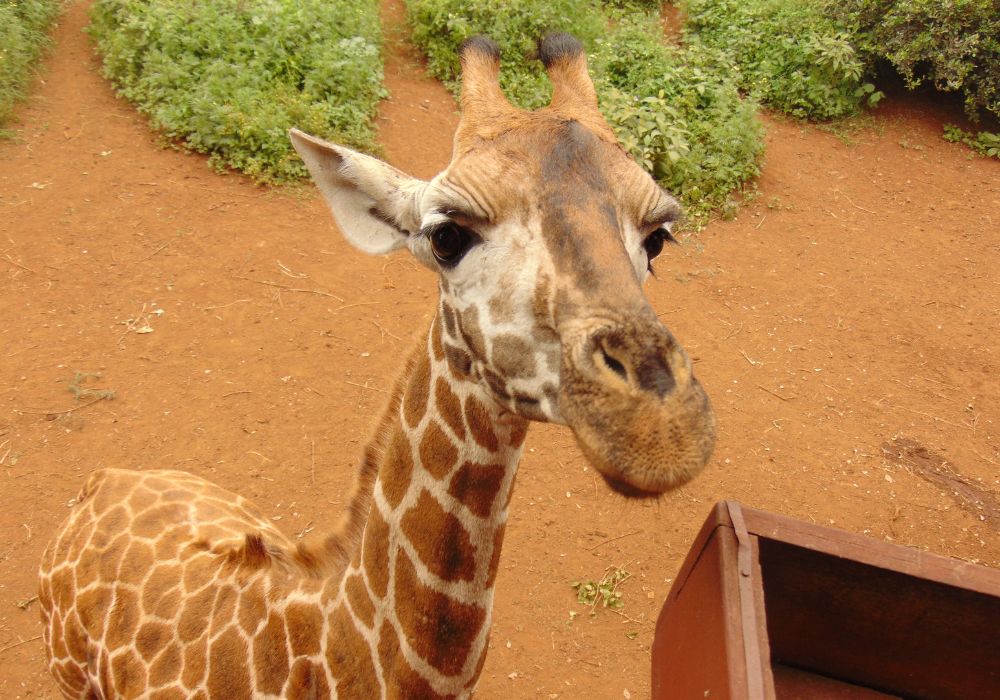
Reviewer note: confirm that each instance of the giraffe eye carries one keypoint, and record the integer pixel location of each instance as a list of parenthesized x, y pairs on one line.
[(450, 242), (654, 242)]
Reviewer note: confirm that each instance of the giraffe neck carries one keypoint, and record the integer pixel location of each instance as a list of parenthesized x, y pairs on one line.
[(428, 557)]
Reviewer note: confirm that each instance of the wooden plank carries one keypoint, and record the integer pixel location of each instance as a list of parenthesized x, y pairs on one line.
[(698, 646), (874, 552)]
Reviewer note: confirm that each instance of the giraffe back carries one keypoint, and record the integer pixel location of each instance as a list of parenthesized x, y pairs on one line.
[(147, 569)]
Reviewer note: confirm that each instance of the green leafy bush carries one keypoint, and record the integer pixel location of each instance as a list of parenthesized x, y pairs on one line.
[(954, 44), (675, 109), (985, 142), (788, 53), (678, 112), (23, 36), (229, 77)]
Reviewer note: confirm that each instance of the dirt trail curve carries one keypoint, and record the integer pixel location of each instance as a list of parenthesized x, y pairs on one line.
[(845, 325)]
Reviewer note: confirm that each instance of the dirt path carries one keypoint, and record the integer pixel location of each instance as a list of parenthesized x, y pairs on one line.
[(845, 325)]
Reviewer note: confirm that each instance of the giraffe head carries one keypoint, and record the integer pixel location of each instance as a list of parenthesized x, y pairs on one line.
[(542, 230)]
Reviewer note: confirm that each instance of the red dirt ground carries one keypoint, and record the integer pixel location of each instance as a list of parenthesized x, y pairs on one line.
[(845, 325)]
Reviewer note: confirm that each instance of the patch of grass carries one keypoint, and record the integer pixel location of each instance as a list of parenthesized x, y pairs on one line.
[(24, 26), (229, 77), (788, 54), (676, 110), (985, 143)]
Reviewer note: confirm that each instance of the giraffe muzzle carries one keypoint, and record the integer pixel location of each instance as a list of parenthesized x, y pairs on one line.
[(638, 412)]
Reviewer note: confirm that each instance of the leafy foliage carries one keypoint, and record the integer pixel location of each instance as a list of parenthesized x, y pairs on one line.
[(23, 36), (955, 45), (788, 53), (674, 109), (229, 77), (605, 591), (985, 142), (679, 114)]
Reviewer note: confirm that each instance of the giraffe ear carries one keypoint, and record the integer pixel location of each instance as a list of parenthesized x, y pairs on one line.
[(373, 203)]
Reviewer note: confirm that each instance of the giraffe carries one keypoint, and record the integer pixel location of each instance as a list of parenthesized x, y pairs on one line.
[(162, 585)]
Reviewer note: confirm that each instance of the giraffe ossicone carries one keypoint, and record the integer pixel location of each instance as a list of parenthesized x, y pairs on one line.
[(162, 585)]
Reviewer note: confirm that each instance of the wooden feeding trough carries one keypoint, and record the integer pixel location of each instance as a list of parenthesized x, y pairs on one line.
[(770, 607)]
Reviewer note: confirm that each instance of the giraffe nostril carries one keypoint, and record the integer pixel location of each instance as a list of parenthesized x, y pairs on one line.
[(654, 375), (614, 365)]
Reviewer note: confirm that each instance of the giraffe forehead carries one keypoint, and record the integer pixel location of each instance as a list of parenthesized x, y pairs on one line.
[(541, 163)]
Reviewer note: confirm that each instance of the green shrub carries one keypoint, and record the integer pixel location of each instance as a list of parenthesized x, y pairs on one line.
[(954, 44), (23, 36), (679, 114), (675, 110), (788, 53), (229, 77)]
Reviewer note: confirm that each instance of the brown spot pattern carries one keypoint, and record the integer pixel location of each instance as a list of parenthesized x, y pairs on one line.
[(110, 559), (195, 657), (224, 610), (472, 334), (305, 624), (151, 638), (436, 344), (480, 424), (449, 407), (129, 674), (399, 455), (437, 452), (350, 658), (361, 602), (441, 542), (513, 356), (401, 681), (417, 392), (501, 308), (497, 383), (166, 666), (476, 486), (228, 675), (151, 523), (270, 656), (307, 681), (376, 553), (76, 638), (163, 578), (91, 607), (125, 613), (194, 617), (438, 628), (458, 360), (449, 320)]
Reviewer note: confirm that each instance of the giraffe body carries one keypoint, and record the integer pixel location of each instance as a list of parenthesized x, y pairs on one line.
[(162, 585)]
